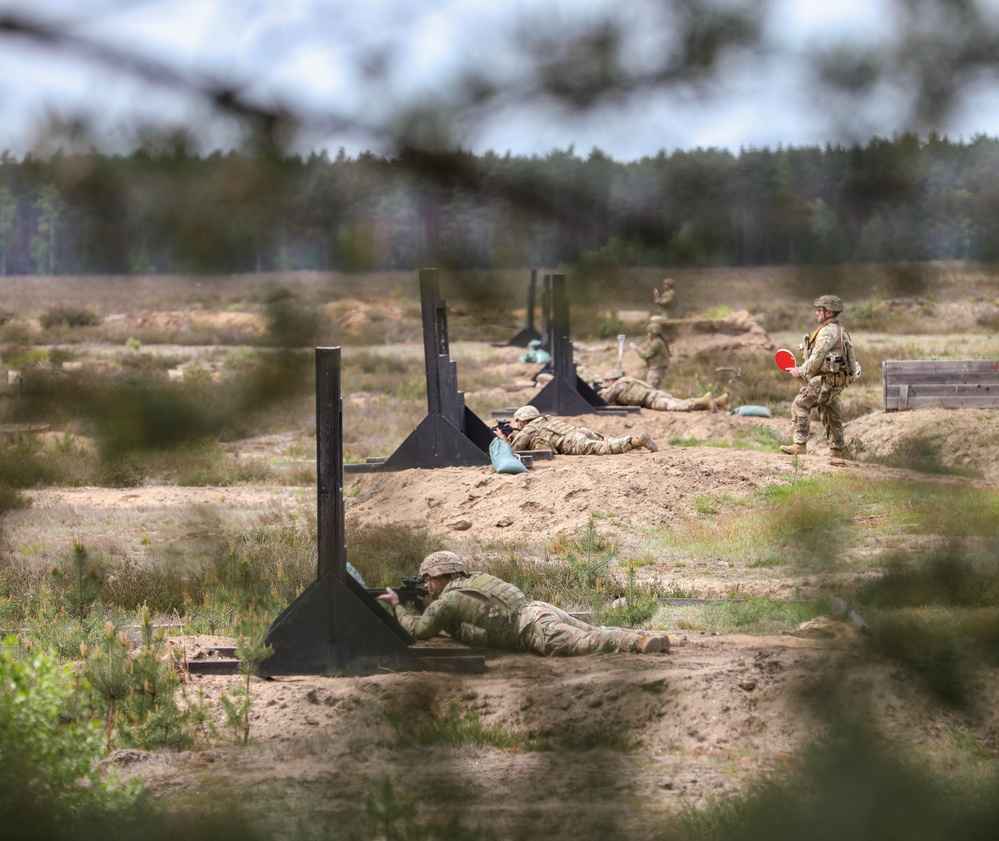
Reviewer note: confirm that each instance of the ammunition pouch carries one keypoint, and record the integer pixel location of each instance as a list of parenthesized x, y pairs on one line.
[(833, 364)]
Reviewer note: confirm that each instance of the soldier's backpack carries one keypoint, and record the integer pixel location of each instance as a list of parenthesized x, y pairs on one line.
[(841, 363)]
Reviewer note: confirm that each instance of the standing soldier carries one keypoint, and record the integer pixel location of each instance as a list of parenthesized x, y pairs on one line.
[(534, 431), (655, 353), (481, 609), (830, 366), (664, 299)]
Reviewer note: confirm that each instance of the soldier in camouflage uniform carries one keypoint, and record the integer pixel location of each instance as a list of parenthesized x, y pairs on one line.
[(534, 431), (619, 390), (483, 610), (664, 299), (830, 366), (655, 353)]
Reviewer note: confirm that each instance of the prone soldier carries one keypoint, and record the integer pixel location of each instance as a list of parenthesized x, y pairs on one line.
[(479, 609), (534, 431)]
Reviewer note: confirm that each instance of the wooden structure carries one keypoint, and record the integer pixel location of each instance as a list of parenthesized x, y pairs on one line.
[(915, 384), (451, 435), (335, 627), (529, 333), (566, 393)]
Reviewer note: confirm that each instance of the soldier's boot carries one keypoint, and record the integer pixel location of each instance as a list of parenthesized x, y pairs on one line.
[(723, 402), (644, 440), (653, 645), (836, 456), (707, 402), (793, 449)]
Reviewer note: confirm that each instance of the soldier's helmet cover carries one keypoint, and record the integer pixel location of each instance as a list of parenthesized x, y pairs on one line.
[(833, 303), (534, 343), (441, 563), (667, 281), (655, 327), (526, 413), (616, 374)]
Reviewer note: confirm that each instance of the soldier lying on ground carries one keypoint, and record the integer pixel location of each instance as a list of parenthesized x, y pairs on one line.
[(619, 390), (481, 609), (534, 431)]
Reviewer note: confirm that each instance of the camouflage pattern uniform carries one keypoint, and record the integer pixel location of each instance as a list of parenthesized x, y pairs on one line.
[(629, 391), (665, 298), (655, 352), (548, 433), (483, 610), (824, 383)]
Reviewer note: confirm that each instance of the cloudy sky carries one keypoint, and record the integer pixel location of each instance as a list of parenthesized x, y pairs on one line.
[(309, 55)]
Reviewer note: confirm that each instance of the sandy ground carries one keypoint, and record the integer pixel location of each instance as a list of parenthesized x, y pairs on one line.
[(627, 741), (632, 738), (660, 733)]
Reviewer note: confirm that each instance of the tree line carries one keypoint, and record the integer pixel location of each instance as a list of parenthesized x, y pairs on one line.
[(169, 210)]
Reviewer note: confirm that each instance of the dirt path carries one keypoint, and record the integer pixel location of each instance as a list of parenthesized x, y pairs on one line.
[(620, 739)]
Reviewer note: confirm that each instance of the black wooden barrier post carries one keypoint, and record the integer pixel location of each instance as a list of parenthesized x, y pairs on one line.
[(529, 333), (566, 393), (546, 313), (451, 435), (335, 627)]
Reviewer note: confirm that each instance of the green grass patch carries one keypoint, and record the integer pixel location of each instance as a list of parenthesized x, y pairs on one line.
[(451, 727), (755, 615)]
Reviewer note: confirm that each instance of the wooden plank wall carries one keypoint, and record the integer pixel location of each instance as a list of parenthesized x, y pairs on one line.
[(914, 384)]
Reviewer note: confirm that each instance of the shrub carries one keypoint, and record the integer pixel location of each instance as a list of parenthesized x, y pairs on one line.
[(69, 317), (50, 772)]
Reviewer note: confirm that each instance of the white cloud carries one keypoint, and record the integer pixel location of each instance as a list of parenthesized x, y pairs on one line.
[(309, 52)]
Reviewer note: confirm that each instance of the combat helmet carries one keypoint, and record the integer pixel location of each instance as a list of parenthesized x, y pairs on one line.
[(534, 343), (833, 303), (616, 374), (441, 563), (656, 327), (526, 413)]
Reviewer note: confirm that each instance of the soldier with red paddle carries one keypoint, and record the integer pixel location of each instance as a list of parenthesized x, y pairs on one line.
[(830, 366)]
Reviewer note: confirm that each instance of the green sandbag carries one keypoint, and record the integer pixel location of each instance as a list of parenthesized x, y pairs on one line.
[(504, 459), (754, 411)]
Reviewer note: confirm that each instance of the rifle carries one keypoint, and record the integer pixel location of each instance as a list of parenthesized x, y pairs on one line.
[(411, 590), (504, 426)]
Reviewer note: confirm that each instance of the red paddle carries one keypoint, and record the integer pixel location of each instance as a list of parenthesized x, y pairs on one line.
[(785, 359)]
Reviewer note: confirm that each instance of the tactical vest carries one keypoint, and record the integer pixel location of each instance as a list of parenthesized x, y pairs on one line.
[(550, 431), (840, 363), (489, 604)]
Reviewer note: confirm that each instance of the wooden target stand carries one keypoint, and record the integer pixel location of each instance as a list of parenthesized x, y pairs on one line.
[(335, 627), (529, 333), (451, 435), (566, 394)]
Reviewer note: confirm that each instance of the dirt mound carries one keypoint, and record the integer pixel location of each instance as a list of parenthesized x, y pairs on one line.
[(634, 488), (374, 320), (738, 332), (688, 336), (253, 324), (935, 440)]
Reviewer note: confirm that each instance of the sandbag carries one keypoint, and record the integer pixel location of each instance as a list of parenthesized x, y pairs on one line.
[(503, 457), (754, 411)]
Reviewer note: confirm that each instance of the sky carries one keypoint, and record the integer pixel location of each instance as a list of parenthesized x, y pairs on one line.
[(307, 53)]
